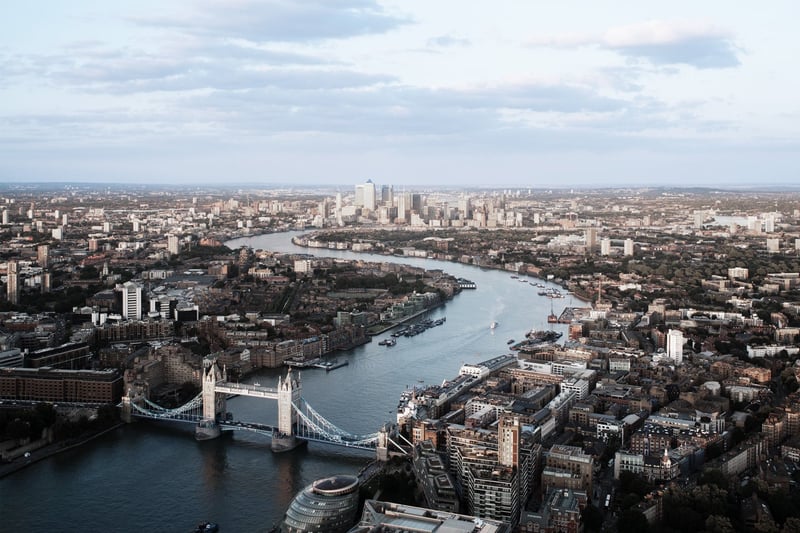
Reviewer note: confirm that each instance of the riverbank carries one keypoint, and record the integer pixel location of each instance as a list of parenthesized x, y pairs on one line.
[(392, 325), (50, 450), (302, 241)]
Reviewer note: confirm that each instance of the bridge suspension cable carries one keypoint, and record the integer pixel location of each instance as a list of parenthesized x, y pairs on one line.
[(317, 427)]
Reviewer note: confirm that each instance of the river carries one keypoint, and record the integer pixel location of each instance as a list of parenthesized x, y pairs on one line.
[(149, 477)]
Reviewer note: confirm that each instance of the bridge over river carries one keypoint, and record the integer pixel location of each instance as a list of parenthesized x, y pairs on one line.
[(298, 422)]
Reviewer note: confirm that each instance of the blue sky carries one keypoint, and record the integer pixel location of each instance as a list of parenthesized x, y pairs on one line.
[(501, 93)]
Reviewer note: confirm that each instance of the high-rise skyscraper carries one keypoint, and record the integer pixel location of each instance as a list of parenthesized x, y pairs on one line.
[(173, 245), (464, 208), (675, 345), (47, 281), (605, 246), (627, 247), (590, 237), (366, 196), (43, 255), (403, 206), (12, 282), (370, 201), (387, 195), (131, 301), (509, 430)]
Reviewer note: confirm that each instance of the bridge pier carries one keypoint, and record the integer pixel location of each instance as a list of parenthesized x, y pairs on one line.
[(213, 404), (126, 413), (289, 393)]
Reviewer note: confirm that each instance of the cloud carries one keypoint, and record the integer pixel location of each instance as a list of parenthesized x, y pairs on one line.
[(191, 64), (444, 41), (701, 45), (281, 20)]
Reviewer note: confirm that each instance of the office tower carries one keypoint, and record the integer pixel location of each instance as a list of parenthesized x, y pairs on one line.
[(12, 282), (403, 206), (43, 255), (675, 345), (590, 237), (464, 208), (65, 220), (131, 301), (5, 216), (628, 247), (605, 246), (369, 196), (416, 203), (47, 281), (699, 218), (358, 201), (58, 233), (365, 196), (173, 245), (387, 195), (509, 430), (769, 223), (93, 245)]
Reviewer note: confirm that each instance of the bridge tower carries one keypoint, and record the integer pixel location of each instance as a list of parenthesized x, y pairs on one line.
[(289, 392), (213, 403)]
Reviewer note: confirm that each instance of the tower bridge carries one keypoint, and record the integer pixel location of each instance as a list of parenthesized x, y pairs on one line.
[(298, 422)]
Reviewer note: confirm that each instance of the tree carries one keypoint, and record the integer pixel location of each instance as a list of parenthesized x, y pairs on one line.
[(713, 476), (719, 524), (633, 521), (592, 518), (791, 525), (46, 413), (18, 429)]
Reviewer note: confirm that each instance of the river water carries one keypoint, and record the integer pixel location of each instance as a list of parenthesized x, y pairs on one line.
[(149, 477)]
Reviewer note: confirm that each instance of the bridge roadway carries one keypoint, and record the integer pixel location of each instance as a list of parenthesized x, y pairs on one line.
[(244, 389)]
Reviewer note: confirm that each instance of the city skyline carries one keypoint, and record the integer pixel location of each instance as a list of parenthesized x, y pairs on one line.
[(406, 93)]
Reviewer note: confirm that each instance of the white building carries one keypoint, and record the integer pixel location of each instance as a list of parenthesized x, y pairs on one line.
[(173, 244), (303, 266), (365, 196), (12, 282), (675, 345), (738, 273), (627, 248), (605, 246), (131, 301), (773, 245)]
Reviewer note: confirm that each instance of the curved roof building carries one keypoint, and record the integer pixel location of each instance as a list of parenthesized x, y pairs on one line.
[(328, 505)]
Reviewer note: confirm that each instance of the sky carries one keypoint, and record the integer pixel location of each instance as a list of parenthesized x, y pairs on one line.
[(507, 93)]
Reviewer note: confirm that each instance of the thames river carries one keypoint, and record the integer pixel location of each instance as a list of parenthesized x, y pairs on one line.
[(148, 477)]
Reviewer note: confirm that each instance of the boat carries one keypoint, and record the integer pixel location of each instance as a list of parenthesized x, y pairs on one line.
[(387, 342), (493, 325), (552, 318), (206, 527), (298, 363), (510, 341), (332, 365)]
